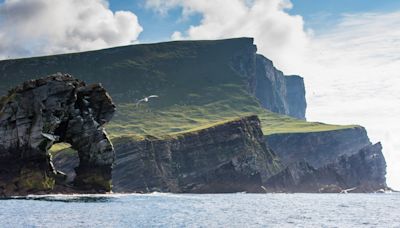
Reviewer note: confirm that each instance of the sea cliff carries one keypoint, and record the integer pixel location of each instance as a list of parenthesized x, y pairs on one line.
[(278, 92), (187, 139), (330, 161), (228, 157), (361, 172), (318, 148), (274, 90)]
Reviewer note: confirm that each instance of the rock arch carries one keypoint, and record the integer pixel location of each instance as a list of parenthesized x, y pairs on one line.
[(39, 113)]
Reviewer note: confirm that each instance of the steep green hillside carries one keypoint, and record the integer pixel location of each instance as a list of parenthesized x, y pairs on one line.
[(194, 80), (149, 120)]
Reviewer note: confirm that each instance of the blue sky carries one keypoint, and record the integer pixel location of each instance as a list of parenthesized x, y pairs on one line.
[(308, 8), (156, 27), (317, 14)]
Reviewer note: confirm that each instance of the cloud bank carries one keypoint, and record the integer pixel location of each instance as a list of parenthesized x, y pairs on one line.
[(278, 35), (39, 27), (351, 70), (354, 77)]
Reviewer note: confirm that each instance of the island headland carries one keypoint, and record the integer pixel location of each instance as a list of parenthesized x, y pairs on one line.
[(225, 120)]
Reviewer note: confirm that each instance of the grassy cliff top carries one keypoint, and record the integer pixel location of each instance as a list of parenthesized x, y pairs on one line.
[(147, 120), (194, 81)]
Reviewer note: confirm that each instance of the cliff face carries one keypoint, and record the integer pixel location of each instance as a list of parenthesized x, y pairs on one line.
[(363, 171), (228, 79), (277, 92), (39, 113), (318, 148), (328, 162), (229, 157), (296, 96)]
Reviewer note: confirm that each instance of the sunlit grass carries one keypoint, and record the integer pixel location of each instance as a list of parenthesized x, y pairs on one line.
[(194, 80), (145, 120)]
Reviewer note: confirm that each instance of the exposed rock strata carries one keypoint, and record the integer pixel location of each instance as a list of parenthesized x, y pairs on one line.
[(278, 92), (296, 96), (318, 148), (39, 113), (275, 91), (328, 161), (230, 157), (361, 172)]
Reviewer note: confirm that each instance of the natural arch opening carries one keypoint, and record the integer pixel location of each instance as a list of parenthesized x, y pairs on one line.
[(65, 160)]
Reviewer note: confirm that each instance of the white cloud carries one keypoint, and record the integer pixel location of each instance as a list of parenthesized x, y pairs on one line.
[(177, 36), (353, 77), (278, 35), (351, 70), (37, 27)]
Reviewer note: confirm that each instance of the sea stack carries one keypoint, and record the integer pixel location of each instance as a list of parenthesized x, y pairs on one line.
[(39, 113)]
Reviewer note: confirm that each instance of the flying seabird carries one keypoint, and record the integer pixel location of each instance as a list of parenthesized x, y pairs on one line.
[(345, 191), (145, 99)]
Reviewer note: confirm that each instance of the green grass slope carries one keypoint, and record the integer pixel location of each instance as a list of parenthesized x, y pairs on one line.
[(193, 79)]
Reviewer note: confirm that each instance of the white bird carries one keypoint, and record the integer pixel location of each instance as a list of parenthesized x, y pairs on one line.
[(345, 191), (145, 99)]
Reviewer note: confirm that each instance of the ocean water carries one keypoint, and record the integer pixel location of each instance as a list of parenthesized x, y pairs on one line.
[(209, 210)]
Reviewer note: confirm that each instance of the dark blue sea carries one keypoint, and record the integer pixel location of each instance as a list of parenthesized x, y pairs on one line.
[(211, 210)]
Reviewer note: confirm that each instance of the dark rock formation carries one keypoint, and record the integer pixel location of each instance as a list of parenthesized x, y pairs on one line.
[(275, 91), (278, 92), (296, 96), (39, 113), (361, 172), (229, 157), (328, 161), (318, 148), (365, 170)]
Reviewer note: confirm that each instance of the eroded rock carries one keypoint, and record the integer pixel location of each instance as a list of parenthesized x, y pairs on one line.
[(39, 113), (329, 161), (277, 92), (227, 157), (318, 148), (360, 172)]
